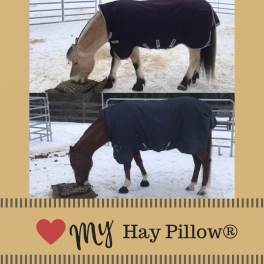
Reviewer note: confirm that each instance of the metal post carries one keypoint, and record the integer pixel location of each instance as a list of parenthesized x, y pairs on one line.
[(219, 151), (48, 115), (102, 99), (232, 132), (46, 118), (62, 10)]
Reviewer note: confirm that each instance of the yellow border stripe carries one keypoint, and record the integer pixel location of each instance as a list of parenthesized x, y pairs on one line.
[(132, 259), (131, 203)]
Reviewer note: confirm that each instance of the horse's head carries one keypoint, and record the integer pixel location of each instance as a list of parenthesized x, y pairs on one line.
[(80, 165), (82, 63)]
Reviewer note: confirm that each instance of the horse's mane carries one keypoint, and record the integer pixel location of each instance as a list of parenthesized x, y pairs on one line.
[(68, 54), (85, 135), (93, 133), (86, 27), (79, 142)]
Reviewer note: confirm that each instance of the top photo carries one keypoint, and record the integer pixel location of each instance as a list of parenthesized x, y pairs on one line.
[(128, 46)]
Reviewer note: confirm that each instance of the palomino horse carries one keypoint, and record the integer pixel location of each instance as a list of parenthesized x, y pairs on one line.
[(156, 24), (184, 123)]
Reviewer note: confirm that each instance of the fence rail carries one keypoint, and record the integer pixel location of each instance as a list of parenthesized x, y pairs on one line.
[(39, 127), (223, 7), (48, 11)]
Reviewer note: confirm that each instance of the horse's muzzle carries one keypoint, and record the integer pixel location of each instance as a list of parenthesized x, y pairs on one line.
[(79, 80), (80, 182)]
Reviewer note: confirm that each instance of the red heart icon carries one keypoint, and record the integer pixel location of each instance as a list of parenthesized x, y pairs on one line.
[(51, 231)]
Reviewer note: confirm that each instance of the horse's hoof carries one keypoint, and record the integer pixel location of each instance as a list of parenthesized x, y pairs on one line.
[(201, 193), (109, 83), (123, 189), (144, 183), (139, 86), (189, 188), (182, 87)]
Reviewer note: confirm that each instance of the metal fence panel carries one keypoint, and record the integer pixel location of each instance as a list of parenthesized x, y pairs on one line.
[(56, 11), (223, 6), (39, 125)]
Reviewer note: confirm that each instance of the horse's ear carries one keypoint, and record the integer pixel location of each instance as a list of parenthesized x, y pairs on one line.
[(69, 53), (71, 149), (76, 40)]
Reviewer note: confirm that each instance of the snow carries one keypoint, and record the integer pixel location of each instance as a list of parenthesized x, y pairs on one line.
[(164, 69), (169, 171)]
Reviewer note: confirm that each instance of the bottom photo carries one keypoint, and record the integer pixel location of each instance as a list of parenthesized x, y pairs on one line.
[(131, 145)]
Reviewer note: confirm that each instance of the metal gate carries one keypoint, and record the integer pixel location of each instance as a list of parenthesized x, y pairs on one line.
[(39, 122), (223, 6), (56, 11)]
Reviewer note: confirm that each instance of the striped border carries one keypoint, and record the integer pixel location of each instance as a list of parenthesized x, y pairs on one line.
[(131, 259), (131, 203)]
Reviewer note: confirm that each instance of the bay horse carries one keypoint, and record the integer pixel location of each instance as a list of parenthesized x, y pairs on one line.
[(133, 131), (156, 24)]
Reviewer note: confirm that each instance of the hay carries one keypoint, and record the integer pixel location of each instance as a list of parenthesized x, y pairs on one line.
[(72, 190), (70, 87)]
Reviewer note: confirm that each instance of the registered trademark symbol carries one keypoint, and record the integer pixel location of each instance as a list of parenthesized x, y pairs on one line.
[(230, 231)]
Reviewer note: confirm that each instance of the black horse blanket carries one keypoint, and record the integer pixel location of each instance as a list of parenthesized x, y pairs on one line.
[(183, 123), (158, 24)]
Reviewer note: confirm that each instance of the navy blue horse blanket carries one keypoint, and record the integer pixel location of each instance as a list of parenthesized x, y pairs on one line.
[(158, 24), (183, 123)]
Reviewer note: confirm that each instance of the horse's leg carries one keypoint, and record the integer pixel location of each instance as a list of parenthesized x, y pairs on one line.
[(193, 70), (127, 183), (196, 74), (135, 58), (139, 162), (112, 75), (206, 163), (197, 166)]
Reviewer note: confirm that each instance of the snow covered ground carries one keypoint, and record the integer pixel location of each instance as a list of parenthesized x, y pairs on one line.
[(164, 69), (169, 171)]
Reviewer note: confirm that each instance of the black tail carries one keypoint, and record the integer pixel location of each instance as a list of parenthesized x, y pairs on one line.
[(209, 153), (208, 55), (209, 148)]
